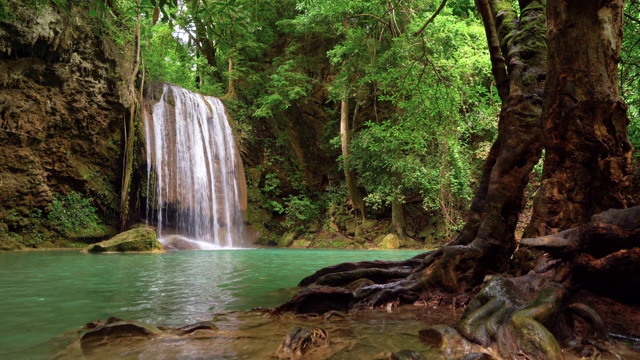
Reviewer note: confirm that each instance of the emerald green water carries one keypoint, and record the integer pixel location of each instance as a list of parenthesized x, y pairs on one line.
[(45, 295)]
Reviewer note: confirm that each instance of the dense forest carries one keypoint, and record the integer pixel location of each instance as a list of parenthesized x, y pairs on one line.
[(361, 124), (367, 117)]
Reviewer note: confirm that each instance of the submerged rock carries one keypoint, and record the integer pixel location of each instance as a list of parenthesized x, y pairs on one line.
[(299, 341), (143, 239)]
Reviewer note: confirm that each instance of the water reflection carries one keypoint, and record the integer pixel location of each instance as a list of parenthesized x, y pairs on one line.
[(46, 294)]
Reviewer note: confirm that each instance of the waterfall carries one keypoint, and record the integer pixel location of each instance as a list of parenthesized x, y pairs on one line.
[(195, 180)]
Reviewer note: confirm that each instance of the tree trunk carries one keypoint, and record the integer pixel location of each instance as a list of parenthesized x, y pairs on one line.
[(129, 130), (588, 154), (586, 168), (202, 40), (354, 193), (231, 91), (488, 236), (397, 217)]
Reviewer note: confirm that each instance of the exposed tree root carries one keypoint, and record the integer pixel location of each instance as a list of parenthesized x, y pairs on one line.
[(359, 266), (599, 251), (529, 316)]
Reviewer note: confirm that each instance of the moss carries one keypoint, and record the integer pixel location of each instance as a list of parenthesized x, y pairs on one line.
[(390, 241), (10, 241), (378, 240), (143, 239), (301, 243), (339, 243), (410, 243), (287, 239)]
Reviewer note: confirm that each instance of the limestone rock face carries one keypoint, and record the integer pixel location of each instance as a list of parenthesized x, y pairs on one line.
[(61, 116), (142, 239)]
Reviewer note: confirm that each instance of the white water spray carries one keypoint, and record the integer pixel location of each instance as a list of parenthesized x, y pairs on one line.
[(195, 170)]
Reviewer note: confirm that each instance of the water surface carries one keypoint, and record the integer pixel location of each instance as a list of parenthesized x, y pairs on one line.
[(47, 294)]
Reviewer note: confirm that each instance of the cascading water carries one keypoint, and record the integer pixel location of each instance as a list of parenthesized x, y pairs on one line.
[(195, 179)]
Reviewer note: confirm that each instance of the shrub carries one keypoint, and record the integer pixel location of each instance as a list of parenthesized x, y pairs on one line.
[(73, 213), (300, 210)]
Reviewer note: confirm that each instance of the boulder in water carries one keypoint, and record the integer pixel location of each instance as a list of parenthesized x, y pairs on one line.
[(98, 333), (142, 239)]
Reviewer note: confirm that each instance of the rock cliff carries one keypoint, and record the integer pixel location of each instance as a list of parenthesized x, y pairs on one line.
[(61, 119)]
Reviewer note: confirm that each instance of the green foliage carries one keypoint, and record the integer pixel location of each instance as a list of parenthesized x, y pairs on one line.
[(171, 63), (300, 210), (286, 85), (73, 214), (6, 13), (439, 94), (426, 111), (630, 71), (270, 189), (34, 235)]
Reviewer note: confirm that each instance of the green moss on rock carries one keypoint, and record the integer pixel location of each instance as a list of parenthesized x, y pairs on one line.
[(142, 239), (287, 239), (390, 241), (301, 244)]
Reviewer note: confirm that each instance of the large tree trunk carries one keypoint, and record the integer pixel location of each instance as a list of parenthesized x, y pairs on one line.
[(354, 193), (532, 316), (588, 154), (488, 236)]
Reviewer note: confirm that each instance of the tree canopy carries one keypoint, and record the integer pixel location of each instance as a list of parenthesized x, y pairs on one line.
[(423, 100)]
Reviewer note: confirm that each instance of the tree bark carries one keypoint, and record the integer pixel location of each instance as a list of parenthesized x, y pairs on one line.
[(487, 238), (129, 129), (397, 217), (202, 39), (588, 154), (231, 91), (526, 316), (354, 193)]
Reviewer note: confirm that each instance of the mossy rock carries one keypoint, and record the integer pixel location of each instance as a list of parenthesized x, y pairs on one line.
[(314, 227), (257, 215), (368, 226), (428, 232), (408, 242), (96, 232), (350, 226), (301, 243), (259, 233), (359, 240), (378, 240), (340, 243), (410, 231), (324, 241), (10, 242), (134, 240), (287, 239), (390, 241)]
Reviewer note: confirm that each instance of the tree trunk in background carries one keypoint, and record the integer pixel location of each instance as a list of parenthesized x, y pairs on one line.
[(231, 91), (397, 217), (129, 130), (488, 235), (588, 154), (352, 186), (203, 40)]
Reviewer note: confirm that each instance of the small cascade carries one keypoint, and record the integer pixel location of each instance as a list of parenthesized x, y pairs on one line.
[(196, 188)]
